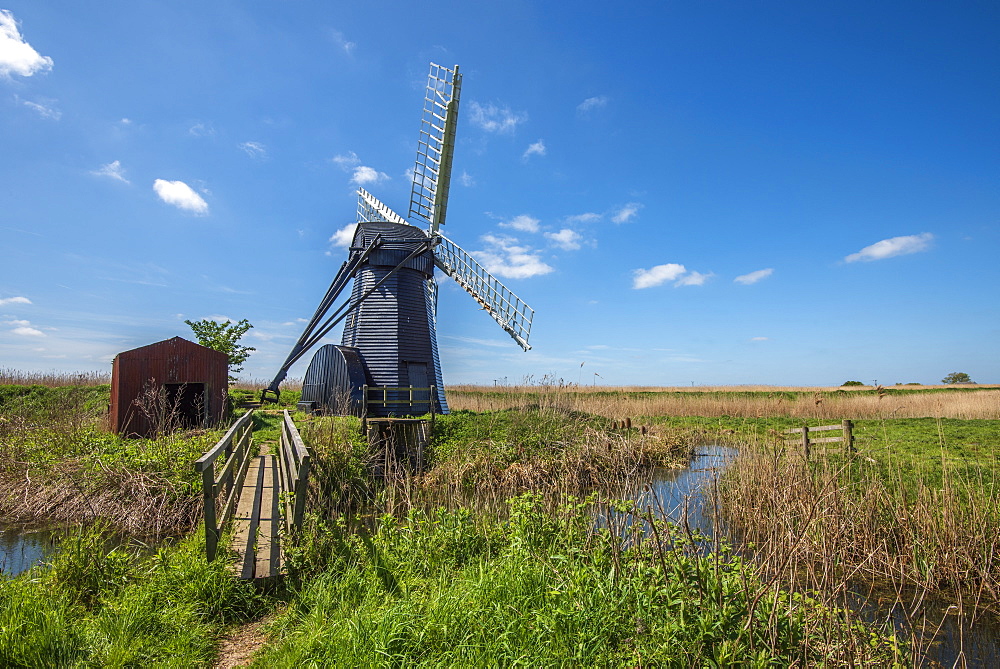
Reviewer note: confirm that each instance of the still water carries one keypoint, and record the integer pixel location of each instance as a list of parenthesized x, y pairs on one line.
[(21, 548)]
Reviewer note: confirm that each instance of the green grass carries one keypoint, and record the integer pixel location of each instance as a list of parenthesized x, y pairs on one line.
[(546, 589), (121, 608)]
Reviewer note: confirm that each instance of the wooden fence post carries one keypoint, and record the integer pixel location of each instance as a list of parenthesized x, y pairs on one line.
[(805, 440), (848, 427)]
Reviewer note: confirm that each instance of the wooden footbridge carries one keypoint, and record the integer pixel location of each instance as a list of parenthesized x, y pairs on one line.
[(253, 495)]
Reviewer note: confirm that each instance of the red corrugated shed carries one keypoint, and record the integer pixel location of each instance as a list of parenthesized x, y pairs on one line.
[(173, 383)]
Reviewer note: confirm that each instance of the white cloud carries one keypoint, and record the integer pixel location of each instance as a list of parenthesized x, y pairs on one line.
[(254, 149), (346, 160), (201, 130), (180, 195), (113, 170), (694, 279), (589, 217), (565, 239), (342, 238), (14, 300), (895, 246), (754, 277), (18, 323), (504, 257), (126, 121), (524, 223), (466, 179), (339, 39), (25, 331), (493, 118), (655, 276), (364, 175), (16, 55), (535, 149), (42, 110), (626, 213), (758, 338), (592, 103)]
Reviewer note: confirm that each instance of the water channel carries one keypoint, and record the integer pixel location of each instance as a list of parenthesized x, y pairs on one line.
[(683, 496)]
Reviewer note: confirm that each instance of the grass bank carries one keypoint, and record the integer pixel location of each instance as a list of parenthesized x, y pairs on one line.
[(121, 608), (548, 588)]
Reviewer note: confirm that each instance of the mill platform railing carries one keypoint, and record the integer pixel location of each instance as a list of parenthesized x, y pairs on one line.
[(261, 495)]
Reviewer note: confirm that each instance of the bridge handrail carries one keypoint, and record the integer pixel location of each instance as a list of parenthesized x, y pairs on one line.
[(235, 444), (295, 462)]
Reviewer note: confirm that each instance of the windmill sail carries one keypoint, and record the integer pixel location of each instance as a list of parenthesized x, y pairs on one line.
[(436, 147), (506, 308), (370, 208)]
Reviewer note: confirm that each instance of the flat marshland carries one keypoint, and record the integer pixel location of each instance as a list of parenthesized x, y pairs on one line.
[(508, 547)]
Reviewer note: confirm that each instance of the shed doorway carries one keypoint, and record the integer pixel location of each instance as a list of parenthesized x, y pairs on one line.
[(187, 404)]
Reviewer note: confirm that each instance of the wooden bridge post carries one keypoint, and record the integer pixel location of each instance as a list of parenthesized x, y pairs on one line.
[(211, 530)]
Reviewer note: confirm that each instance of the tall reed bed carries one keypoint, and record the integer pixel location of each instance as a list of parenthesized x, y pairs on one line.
[(808, 403), (53, 379), (550, 588), (899, 527)]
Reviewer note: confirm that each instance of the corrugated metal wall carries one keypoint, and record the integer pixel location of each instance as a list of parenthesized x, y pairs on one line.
[(334, 379), (173, 361)]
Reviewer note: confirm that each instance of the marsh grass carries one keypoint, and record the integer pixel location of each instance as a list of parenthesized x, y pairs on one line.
[(739, 402), (58, 463)]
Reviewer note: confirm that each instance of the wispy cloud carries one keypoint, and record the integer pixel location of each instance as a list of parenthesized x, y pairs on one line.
[(201, 130), (343, 237), (895, 246), (42, 110), (566, 239), (180, 195), (14, 300), (759, 338), (524, 223), (466, 179), (343, 43), (754, 277), (495, 118), (16, 55), (112, 170), (660, 274), (589, 217), (254, 149), (506, 257), (626, 213), (493, 343), (693, 278), (592, 103), (535, 149)]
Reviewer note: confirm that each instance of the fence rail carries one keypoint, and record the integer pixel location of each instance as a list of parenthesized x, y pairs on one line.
[(295, 460), (409, 400), (847, 436), (224, 482)]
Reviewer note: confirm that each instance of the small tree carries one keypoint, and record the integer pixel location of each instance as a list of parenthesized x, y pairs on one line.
[(224, 337), (957, 377), (851, 383)]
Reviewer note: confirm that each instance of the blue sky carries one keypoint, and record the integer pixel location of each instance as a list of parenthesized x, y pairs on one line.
[(710, 193)]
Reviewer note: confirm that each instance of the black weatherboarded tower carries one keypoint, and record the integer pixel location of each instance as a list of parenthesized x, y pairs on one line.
[(390, 338)]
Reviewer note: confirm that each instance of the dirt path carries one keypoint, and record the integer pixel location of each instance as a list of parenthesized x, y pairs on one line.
[(237, 647)]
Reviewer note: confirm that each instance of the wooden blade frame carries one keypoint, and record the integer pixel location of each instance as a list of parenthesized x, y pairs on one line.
[(436, 148), (506, 308)]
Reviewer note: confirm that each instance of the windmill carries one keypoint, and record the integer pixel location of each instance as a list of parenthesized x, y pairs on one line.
[(389, 337)]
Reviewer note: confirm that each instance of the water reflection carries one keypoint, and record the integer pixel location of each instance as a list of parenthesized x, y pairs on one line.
[(21, 549)]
